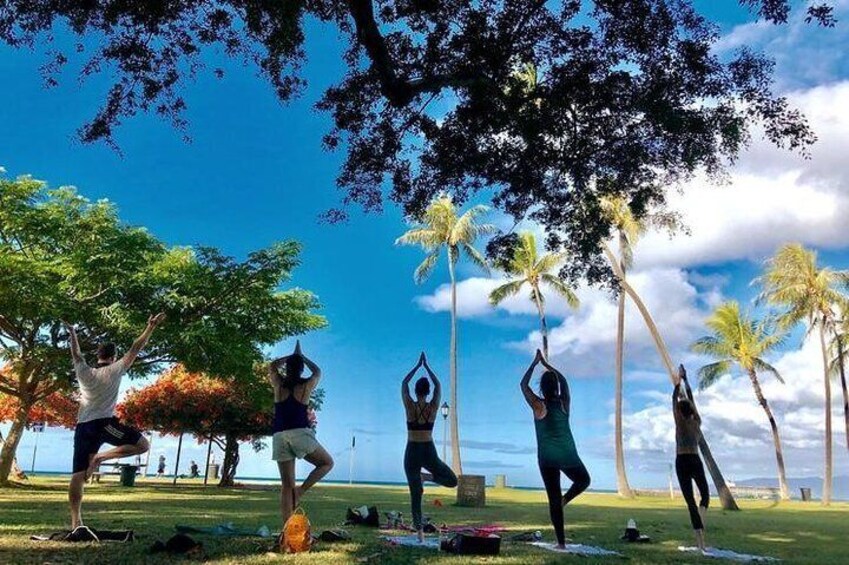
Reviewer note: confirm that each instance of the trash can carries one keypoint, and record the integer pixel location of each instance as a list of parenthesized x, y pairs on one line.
[(128, 475), (212, 471), (471, 491), (806, 494)]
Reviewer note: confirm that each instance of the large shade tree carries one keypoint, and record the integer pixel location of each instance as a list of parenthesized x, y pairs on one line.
[(443, 229), (528, 267), (65, 258), (738, 339), (808, 293), (632, 96)]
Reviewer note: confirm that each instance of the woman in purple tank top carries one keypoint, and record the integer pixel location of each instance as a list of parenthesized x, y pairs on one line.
[(293, 437)]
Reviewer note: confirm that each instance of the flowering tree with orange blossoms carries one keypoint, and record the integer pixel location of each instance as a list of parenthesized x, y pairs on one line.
[(225, 410), (57, 409)]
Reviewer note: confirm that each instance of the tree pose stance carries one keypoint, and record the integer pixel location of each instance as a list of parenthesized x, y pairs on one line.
[(96, 421), (688, 464), (556, 451), (294, 438), (421, 452)]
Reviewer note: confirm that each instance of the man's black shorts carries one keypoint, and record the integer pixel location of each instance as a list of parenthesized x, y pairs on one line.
[(89, 436)]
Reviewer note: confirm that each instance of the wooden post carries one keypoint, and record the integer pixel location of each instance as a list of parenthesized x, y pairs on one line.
[(208, 453), (177, 464)]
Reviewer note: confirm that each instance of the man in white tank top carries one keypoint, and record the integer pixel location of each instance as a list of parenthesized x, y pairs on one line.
[(96, 421)]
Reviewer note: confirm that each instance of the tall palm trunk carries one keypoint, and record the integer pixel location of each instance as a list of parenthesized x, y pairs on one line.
[(10, 446), (842, 369), (827, 479), (776, 440), (456, 463), (622, 486), (725, 496), (542, 323)]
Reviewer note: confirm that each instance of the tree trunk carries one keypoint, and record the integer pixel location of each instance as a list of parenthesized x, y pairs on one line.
[(231, 461), (842, 368), (622, 486), (17, 473), (456, 463), (827, 479), (543, 326), (725, 496), (776, 440), (10, 446)]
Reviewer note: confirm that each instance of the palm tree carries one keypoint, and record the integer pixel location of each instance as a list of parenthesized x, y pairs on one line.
[(809, 294), (628, 230), (736, 339), (442, 228), (838, 364), (528, 268)]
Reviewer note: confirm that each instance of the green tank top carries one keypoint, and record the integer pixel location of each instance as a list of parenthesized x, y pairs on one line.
[(555, 443)]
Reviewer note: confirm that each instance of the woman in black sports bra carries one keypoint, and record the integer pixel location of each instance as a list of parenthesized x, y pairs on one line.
[(421, 452)]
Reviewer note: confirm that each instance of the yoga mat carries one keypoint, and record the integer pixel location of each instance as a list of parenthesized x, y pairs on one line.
[(730, 555), (575, 549), (413, 541), (227, 530)]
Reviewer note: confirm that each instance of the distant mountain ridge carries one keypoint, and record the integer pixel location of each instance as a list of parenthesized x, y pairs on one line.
[(840, 487)]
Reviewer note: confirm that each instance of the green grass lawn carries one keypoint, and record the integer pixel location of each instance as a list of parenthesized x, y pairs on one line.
[(795, 532)]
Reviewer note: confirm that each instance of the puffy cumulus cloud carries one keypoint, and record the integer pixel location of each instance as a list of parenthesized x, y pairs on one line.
[(585, 338), (737, 428), (771, 197)]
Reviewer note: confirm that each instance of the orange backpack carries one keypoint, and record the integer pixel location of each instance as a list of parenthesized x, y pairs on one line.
[(297, 536)]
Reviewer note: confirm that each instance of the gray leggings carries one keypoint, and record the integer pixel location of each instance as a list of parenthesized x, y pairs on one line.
[(418, 456)]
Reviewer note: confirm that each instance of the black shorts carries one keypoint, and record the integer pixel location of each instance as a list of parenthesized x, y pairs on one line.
[(89, 436)]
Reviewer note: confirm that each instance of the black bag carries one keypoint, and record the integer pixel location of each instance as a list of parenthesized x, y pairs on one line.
[(356, 517), (468, 544)]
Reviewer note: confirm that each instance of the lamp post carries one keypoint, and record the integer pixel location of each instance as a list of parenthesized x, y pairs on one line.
[(444, 410), (38, 429)]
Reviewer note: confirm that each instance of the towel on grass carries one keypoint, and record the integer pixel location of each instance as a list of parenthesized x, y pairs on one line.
[(728, 554), (86, 534), (413, 541), (226, 530), (575, 548)]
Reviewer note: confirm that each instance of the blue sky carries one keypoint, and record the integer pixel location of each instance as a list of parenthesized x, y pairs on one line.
[(254, 173)]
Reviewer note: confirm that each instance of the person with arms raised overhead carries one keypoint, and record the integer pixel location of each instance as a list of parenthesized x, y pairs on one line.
[(688, 464), (556, 451), (96, 421), (421, 452), (294, 438)]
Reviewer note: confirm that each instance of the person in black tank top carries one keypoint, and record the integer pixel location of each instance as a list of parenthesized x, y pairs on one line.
[(421, 452), (688, 464), (293, 436)]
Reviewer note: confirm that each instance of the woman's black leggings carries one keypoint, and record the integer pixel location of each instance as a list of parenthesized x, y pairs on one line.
[(556, 500), (418, 456), (688, 467)]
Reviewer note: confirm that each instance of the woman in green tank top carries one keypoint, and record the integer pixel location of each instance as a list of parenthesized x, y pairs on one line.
[(556, 451)]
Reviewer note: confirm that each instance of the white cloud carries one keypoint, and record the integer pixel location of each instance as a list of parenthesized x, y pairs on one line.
[(773, 196), (585, 338), (804, 54)]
